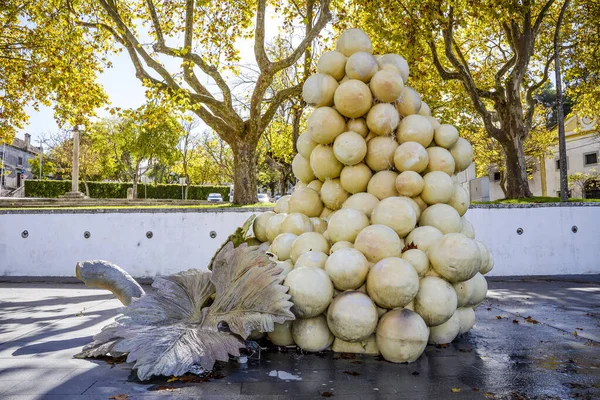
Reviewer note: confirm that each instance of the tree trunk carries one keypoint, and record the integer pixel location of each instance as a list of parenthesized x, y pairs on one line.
[(85, 183), (135, 182), (244, 181), (562, 146), (517, 185), (503, 183)]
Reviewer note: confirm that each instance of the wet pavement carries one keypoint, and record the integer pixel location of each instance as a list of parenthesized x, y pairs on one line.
[(534, 339)]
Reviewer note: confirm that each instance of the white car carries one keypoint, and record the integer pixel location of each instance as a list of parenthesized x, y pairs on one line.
[(214, 198), (263, 198)]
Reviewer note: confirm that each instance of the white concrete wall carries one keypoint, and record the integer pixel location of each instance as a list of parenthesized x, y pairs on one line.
[(182, 240)]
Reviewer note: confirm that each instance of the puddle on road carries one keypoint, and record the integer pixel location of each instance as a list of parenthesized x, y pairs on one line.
[(286, 376)]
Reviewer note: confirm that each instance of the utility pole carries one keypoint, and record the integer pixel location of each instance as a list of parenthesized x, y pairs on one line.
[(562, 145)]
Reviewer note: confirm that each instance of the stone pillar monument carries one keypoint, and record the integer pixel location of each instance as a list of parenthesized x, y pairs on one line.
[(75, 193)]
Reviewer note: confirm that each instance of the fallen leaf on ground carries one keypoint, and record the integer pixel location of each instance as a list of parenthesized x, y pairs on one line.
[(489, 395), (121, 396), (326, 394), (575, 333), (476, 389), (498, 317), (531, 320), (515, 321), (441, 346), (352, 373), (456, 390)]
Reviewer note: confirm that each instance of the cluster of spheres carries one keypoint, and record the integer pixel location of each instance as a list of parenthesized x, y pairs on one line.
[(378, 256)]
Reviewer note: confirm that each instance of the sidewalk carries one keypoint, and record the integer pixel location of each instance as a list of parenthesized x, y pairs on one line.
[(553, 354)]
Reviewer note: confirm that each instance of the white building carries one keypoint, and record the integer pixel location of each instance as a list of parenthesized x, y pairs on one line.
[(583, 155)]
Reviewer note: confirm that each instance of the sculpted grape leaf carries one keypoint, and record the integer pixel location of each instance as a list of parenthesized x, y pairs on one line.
[(172, 329), (249, 291), (236, 238)]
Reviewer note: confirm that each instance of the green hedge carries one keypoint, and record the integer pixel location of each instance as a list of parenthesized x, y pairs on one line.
[(118, 190)]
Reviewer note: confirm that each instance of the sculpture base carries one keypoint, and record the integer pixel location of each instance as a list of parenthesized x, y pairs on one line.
[(74, 195)]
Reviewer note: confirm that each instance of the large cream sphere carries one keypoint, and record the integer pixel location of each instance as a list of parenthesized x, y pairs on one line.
[(309, 241), (282, 334), (409, 183), (462, 151), (464, 291), (460, 199), (392, 282), (333, 194), (480, 288), (300, 185), (318, 90), (396, 213), (312, 334), (325, 124), (301, 169), (273, 228), (358, 125), (306, 201), (377, 242), (296, 223), (340, 245), (361, 66), (446, 332), (347, 269), (318, 224), (386, 86), (311, 291), (286, 266), (437, 187), (455, 257), (411, 156), (365, 202), (315, 185), (305, 145), (259, 226), (346, 224), (352, 316), (352, 99), (445, 136), (440, 159), (441, 216), (394, 62), (326, 214), (466, 228), (418, 259), (366, 346), (355, 178), (282, 205), (350, 148), (415, 128), (383, 184), (324, 164), (423, 237), (409, 102), (383, 119), (466, 317), (436, 300), (332, 63), (401, 335), (314, 259), (352, 41), (424, 110), (434, 124), (380, 153), (282, 245), (484, 255)]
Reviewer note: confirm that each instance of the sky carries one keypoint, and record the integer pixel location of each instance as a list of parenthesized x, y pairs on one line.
[(125, 90)]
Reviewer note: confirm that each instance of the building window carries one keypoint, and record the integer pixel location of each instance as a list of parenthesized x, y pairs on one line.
[(19, 161), (496, 176), (590, 159), (558, 163)]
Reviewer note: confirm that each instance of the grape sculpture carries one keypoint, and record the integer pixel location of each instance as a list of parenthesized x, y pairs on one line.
[(378, 255)]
